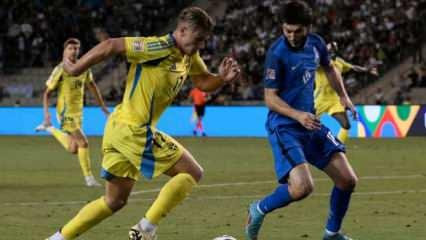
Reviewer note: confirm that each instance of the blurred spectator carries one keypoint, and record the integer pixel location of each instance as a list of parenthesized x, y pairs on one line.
[(379, 97), (379, 33), (422, 77), (32, 32), (2, 93)]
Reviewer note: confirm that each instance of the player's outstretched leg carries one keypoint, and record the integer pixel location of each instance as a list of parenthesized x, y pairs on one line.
[(300, 186), (343, 120), (345, 179), (116, 195), (84, 158), (185, 175)]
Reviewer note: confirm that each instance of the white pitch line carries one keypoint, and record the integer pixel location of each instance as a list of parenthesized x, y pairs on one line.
[(237, 196), (220, 197), (265, 182)]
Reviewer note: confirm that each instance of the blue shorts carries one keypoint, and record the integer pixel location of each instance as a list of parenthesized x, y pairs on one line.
[(293, 145)]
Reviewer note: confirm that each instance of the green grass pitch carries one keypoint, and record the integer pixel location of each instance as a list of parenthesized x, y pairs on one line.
[(41, 188)]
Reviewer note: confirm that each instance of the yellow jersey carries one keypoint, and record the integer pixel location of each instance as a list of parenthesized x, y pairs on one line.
[(323, 89), (157, 72), (70, 90)]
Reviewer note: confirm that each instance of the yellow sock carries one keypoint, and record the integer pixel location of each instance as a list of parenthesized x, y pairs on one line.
[(343, 135), (89, 216), (84, 158), (62, 137), (170, 196)]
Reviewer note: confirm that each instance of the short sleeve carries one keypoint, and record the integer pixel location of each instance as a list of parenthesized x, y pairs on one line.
[(143, 49), (54, 78), (89, 76), (197, 65), (272, 71), (323, 52), (346, 67)]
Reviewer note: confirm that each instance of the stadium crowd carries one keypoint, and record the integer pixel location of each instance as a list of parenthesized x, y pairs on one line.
[(32, 33), (369, 33)]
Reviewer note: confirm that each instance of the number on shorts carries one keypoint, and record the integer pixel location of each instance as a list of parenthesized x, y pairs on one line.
[(332, 138)]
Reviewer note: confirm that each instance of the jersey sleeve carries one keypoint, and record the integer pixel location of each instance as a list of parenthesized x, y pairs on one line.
[(323, 52), (272, 71), (89, 76), (54, 78), (345, 66), (143, 49), (197, 65)]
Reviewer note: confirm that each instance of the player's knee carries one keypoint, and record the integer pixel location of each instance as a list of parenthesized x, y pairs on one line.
[(301, 191), (346, 125), (83, 143), (349, 183), (73, 148), (115, 203), (198, 174)]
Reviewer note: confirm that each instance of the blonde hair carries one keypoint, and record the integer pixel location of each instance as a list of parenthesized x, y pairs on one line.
[(197, 17)]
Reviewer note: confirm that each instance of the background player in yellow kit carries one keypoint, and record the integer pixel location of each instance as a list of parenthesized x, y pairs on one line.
[(132, 145), (69, 108), (326, 99)]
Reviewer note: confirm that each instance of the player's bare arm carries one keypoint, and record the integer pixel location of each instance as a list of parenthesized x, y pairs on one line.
[(336, 83), (370, 70), (95, 91), (276, 104), (229, 70), (100, 52), (47, 118)]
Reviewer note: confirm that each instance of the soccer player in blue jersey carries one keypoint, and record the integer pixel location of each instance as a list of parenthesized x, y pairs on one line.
[(296, 136)]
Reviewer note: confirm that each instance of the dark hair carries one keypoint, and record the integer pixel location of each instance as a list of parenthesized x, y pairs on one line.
[(296, 12), (71, 41), (197, 17)]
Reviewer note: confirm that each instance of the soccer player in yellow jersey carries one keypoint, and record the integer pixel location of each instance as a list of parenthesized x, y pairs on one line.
[(132, 145), (69, 108), (327, 100)]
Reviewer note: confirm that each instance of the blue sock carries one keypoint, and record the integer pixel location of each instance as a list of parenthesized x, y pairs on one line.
[(339, 203), (278, 199)]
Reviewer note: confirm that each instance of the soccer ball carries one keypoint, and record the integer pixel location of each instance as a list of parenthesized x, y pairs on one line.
[(225, 237)]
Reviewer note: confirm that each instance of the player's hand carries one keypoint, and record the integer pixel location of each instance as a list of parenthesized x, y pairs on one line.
[(373, 71), (347, 103), (308, 120), (229, 69)]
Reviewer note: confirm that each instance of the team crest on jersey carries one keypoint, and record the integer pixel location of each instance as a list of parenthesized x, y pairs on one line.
[(270, 73), (138, 46), (306, 76), (173, 67)]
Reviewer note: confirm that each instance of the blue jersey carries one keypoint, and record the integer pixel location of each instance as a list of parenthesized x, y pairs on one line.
[(292, 72)]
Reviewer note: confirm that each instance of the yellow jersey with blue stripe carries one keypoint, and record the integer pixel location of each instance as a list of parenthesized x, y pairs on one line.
[(132, 145), (326, 99), (70, 93), (323, 88), (157, 72)]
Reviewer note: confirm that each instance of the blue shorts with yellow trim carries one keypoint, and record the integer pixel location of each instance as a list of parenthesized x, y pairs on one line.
[(130, 151), (293, 145)]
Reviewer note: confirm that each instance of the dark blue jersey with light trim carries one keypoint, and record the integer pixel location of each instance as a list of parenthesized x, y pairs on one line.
[(292, 72)]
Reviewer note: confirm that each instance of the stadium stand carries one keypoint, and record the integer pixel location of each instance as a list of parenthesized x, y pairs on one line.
[(387, 33)]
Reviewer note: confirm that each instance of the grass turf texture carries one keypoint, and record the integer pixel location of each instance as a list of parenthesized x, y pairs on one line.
[(41, 188)]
